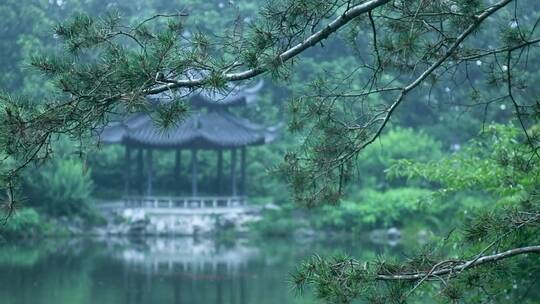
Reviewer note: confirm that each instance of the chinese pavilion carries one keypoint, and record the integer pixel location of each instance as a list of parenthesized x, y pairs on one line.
[(211, 127)]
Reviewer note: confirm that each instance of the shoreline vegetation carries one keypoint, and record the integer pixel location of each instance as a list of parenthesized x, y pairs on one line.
[(397, 197)]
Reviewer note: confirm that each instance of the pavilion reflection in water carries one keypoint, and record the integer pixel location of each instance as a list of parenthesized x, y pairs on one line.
[(187, 266), (179, 255)]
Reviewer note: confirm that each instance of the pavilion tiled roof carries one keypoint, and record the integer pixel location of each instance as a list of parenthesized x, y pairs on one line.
[(213, 128), (205, 130)]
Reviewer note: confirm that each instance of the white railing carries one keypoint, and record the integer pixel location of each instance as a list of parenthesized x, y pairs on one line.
[(184, 202)]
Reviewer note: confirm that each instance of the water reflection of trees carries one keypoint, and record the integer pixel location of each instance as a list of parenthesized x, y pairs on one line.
[(159, 270)]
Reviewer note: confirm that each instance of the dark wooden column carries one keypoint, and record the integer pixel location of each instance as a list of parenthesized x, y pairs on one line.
[(233, 172), (243, 171), (219, 178), (194, 172), (127, 170), (140, 172), (177, 168), (149, 173)]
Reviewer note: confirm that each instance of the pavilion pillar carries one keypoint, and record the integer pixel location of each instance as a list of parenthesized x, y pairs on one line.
[(194, 172), (149, 173), (233, 172), (177, 168), (219, 178), (243, 171), (127, 170), (140, 171)]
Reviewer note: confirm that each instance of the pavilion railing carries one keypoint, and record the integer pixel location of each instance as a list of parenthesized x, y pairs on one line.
[(184, 202)]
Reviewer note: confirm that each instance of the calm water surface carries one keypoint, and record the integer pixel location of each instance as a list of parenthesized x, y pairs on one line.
[(159, 270)]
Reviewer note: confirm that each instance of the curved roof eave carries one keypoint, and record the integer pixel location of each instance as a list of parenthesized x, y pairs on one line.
[(210, 130)]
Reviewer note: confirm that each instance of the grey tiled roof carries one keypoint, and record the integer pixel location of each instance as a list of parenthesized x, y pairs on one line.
[(205, 130), (213, 128)]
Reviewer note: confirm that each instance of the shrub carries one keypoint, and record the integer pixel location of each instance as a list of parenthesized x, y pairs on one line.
[(278, 223), (61, 187), (375, 209), (397, 144), (25, 222)]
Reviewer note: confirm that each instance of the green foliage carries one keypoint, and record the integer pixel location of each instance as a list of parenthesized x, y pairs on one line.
[(496, 179), (374, 209), (499, 163), (62, 187), (377, 201), (24, 222), (343, 94), (110, 65), (399, 144), (396, 206), (279, 223)]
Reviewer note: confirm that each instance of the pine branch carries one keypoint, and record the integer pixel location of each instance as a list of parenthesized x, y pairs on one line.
[(411, 86), (501, 50), (448, 270), (287, 55)]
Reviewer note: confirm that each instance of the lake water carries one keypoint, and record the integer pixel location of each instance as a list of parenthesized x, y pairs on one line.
[(160, 270)]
